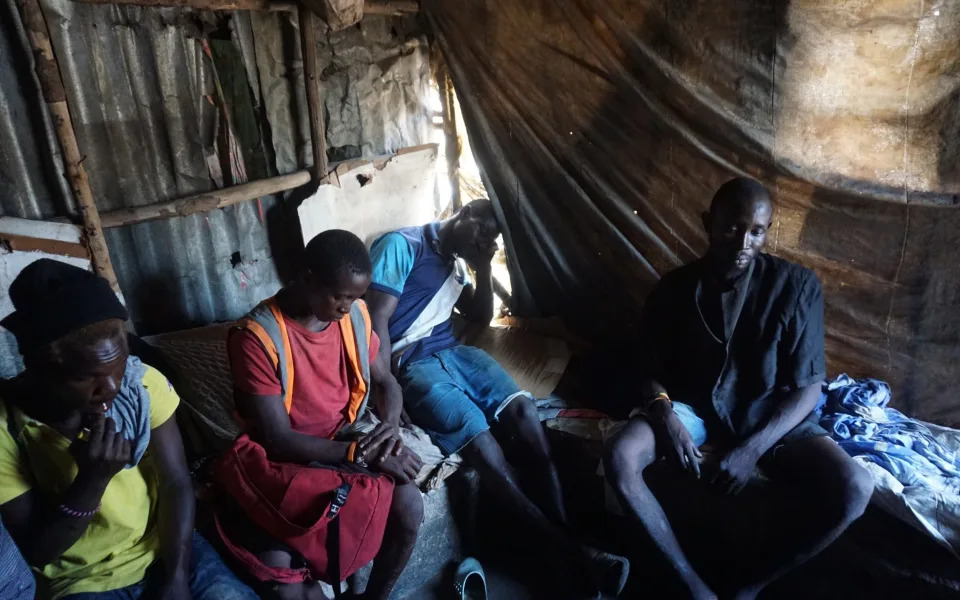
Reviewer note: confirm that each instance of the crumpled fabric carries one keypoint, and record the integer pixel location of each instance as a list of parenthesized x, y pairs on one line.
[(436, 467), (915, 465), (131, 409)]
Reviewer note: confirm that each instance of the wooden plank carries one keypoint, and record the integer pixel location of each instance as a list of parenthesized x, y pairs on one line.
[(51, 85), (451, 137), (370, 7), (22, 243), (394, 8), (309, 23), (46, 230), (204, 202)]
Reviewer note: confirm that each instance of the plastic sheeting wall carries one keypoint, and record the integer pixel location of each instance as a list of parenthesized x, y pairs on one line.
[(143, 100), (604, 127)]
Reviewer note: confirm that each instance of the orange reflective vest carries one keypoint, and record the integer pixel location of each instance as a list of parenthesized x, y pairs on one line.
[(267, 323)]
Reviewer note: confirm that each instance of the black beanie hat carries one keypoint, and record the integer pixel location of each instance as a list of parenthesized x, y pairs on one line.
[(53, 298)]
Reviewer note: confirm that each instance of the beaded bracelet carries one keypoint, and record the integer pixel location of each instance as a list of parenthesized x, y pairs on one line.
[(353, 457), (660, 396), (351, 451), (78, 514)]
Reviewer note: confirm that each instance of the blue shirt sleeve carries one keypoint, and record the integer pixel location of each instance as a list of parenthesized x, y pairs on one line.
[(392, 257)]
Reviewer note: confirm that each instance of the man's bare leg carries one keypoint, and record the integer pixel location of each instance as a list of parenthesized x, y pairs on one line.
[(484, 454), (833, 488), (403, 524), (289, 591), (631, 451), (521, 420)]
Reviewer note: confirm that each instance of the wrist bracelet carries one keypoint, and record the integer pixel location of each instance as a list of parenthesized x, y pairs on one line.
[(79, 514), (352, 452), (352, 456), (660, 396)]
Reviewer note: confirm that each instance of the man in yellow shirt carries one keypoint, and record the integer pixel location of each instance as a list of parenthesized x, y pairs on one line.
[(94, 486)]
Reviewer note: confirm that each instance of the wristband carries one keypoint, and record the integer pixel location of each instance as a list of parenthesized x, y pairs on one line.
[(352, 452), (78, 514), (660, 396)]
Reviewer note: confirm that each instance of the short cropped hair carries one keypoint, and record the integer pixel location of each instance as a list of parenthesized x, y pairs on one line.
[(738, 190), (336, 250)]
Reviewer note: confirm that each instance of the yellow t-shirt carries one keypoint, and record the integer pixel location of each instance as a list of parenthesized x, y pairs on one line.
[(122, 539)]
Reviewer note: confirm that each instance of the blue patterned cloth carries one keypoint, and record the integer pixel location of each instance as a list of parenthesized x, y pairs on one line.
[(131, 409), (16, 580), (855, 413)]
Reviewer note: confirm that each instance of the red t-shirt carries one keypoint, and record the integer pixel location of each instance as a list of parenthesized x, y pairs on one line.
[(321, 384)]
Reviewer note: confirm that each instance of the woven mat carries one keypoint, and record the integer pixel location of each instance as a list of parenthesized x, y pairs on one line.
[(199, 357)]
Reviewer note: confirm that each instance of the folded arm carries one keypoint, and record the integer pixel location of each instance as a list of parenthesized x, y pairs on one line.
[(43, 532), (476, 302), (45, 526)]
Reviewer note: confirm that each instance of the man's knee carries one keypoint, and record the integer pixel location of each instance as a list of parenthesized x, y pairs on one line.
[(629, 453), (406, 510), (855, 494), (483, 448), (521, 411), (846, 497)]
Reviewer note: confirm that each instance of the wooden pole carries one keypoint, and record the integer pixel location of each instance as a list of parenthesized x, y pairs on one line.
[(449, 111), (51, 85), (204, 202), (370, 7), (318, 134), (394, 8)]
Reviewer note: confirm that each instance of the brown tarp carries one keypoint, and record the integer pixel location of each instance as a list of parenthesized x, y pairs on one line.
[(604, 126)]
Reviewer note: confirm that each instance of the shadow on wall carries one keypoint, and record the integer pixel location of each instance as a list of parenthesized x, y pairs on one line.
[(286, 237), (892, 284), (605, 132), (612, 153), (158, 297)]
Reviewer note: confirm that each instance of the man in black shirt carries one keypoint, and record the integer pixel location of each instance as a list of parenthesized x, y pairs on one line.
[(732, 352)]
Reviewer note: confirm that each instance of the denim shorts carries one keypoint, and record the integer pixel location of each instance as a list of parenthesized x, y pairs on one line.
[(698, 430), (210, 579), (455, 394), (696, 427), (16, 579)]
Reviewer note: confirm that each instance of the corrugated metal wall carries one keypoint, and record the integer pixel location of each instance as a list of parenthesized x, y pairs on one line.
[(145, 108)]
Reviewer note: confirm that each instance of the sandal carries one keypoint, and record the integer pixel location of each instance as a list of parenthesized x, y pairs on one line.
[(611, 572), (470, 582)]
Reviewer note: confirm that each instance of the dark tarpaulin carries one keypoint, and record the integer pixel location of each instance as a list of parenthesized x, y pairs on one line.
[(604, 127)]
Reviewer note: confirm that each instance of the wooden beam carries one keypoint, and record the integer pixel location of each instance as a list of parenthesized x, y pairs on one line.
[(452, 139), (370, 7), (309, 23), (24, 243), (394, 8), (205, 202), (51, 85)]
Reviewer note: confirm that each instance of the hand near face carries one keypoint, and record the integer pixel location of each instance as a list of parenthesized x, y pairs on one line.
[(481, 254)]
